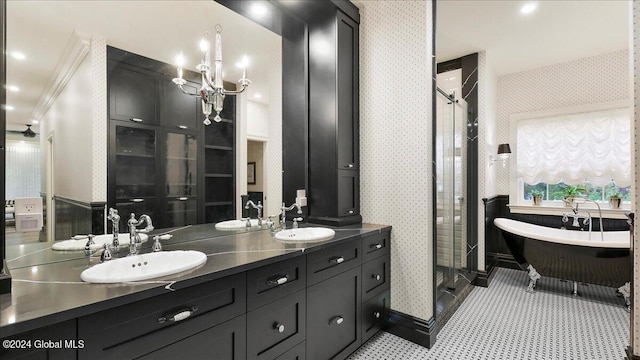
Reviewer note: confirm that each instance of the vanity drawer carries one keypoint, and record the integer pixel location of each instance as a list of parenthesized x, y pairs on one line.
[(333, 260), (276, 327), (375, 245), (375, 313), (375, 277), (119, 330), (272, 282), (297, 353)]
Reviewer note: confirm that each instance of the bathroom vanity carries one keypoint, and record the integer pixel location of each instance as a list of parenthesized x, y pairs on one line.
[(254, 298)]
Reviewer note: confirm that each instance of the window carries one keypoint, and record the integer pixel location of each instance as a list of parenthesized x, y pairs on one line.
[(554, 192), (585, 147)]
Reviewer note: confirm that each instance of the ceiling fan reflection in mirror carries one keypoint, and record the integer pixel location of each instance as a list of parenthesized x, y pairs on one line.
[(26, 133)]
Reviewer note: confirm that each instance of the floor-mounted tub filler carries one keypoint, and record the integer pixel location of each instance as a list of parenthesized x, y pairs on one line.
[(570, 255)]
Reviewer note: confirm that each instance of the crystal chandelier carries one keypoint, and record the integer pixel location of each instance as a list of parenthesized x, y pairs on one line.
[(212, 91)]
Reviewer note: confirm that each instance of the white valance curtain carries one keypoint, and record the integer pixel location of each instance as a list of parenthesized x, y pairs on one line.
[(595, 146), (23, 172)]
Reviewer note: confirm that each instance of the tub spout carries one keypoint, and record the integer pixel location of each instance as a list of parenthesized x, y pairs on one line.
[(534, 276)]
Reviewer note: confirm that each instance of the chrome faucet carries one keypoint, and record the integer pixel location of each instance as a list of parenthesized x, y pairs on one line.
[(134, 238), (587, 218), (283, 216), (251, 204), (115, 220), (87, 246)]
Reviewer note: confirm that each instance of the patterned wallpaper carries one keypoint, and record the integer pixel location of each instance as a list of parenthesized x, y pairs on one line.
[(635, 321), (99, 124), (395, 142), (590, 80)]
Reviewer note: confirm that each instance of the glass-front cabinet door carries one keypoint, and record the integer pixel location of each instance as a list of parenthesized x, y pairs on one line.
[(135, 171), (181, 179)]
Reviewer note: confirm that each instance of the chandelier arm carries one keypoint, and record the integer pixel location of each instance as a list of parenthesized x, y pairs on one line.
[(235, 92), (209, 84), (188, 93)]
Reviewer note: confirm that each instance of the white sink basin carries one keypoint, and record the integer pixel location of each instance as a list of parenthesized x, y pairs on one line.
[(143, 266), (235, 224), (99, 240), (307, 234)]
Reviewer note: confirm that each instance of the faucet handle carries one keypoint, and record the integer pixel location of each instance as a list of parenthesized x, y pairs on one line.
[(106, 254), (157, 246), (295, 222), (87, 247)]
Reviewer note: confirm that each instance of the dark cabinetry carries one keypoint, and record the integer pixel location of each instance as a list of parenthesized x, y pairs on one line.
[(334, 164), (55, 342), (161, 162), (322, 305)]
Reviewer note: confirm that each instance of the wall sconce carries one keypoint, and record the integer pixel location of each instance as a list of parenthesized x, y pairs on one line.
[(504, 151)]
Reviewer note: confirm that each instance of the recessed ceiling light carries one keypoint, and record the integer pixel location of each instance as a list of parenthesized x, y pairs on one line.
[(258, 10), (35, 122), (528, 8), (18, 55), (13, 88), (9, 107)]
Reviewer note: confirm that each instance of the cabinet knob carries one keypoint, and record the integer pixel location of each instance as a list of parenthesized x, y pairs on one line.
[(376, 314), (350, 166), (350, 212), (337, 320), (183, 127), (377, 277), (376, 246), (136, 120), (279, 327), (278, 281), (337, 260)]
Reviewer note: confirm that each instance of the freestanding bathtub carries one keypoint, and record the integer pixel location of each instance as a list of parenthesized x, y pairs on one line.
[(569, 254)]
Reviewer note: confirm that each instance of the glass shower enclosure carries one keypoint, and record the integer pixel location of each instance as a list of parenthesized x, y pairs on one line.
[(450, 177)]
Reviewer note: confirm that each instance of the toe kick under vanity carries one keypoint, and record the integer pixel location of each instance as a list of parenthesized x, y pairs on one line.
[(254, 298)]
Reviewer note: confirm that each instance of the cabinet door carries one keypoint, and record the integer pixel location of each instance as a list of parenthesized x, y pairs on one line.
[(223, 342), (375, 313), (181, 179), (347, 97), (133, 170), (55, 342), (348, 193), (132, 94), (333, 316), (177, 109)]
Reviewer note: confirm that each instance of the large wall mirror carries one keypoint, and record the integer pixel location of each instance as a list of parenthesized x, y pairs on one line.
[(57, 87)]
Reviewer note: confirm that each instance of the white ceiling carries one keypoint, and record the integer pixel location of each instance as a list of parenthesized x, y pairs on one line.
[(155, 29), (558, 31)]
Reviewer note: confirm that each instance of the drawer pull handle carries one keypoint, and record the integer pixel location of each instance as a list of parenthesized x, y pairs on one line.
[(278, 327), (377, 277), (337, 260), (350, 212), (179, 316), (336, 320), (183, 198), (376, 246), (136, 120), (278, 281), (137, 200), (376, 314)]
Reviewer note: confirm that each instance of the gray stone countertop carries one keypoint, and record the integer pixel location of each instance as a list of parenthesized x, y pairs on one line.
[(50, 292)]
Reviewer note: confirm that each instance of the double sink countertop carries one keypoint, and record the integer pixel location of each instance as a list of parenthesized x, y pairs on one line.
[(47, 289)]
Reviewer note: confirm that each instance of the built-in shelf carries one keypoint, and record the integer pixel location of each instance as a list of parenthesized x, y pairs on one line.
[(218, 203), (135, 155), (216, 147)]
